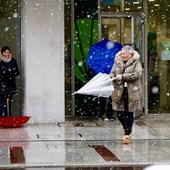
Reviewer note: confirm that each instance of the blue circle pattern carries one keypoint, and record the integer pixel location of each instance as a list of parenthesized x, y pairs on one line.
[(101, 56)]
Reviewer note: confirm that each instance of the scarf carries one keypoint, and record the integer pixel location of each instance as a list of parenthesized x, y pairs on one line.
[(6, 60)]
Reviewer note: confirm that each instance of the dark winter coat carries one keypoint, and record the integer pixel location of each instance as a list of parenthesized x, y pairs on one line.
[(8, 72), (132, 73)]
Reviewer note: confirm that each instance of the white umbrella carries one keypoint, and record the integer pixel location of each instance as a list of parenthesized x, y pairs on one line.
[(158, 167), (100, 85)]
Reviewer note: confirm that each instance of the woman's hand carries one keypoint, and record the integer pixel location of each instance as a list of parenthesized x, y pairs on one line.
[(118, 77)]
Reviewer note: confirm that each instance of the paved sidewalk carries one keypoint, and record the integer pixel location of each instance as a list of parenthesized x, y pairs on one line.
[(86, 144)]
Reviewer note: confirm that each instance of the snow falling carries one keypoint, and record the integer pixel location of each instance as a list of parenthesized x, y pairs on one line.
[(87, 31), (158, 91)]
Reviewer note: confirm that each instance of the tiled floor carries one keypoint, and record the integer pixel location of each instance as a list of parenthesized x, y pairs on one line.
[(85, 144)]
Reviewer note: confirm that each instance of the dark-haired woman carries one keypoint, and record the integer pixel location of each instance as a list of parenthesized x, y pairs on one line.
[(8, 72)]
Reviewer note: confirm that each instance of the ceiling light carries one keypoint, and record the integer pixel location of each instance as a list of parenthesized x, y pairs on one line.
[(151, 0), (127, 9), (156, 4), (136, 2)]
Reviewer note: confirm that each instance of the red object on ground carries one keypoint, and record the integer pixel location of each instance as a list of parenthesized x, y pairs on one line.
[(17, 121)]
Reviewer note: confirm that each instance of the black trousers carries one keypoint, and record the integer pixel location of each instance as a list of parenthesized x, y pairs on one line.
[(125, 117), (5, 105)]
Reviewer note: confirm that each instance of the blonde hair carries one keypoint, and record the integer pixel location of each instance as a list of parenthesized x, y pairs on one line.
[(127, 49)]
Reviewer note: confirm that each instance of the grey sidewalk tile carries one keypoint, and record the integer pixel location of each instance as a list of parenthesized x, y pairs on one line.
[(4, 155), (64, 144)]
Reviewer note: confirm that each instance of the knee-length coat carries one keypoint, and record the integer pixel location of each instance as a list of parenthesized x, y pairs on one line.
[(131, 73), (8, 72)]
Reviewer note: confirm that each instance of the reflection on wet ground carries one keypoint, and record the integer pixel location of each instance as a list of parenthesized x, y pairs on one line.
[(84, 145), (80, 168), (88, 168)]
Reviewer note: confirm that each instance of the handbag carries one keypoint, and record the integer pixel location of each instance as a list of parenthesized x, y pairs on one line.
[(117, 93)]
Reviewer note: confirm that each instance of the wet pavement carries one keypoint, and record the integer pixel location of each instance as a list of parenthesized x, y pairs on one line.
[(86, 144)]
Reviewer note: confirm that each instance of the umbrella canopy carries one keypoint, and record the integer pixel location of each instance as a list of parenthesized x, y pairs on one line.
[(17, 121), (101, 56), (100, 86)]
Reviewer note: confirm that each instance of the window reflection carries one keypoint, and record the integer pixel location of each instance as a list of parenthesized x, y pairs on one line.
[(10, 35), (158, 44), (159, 56), (121, 5)]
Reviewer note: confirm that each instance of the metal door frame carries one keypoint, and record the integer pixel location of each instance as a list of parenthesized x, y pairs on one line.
[(120, 15)]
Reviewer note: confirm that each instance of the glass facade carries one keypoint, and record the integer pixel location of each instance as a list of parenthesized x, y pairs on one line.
[(159, 56), (81, 31), (85, 34), (110, 6), (126, 29), (123, 21), (10, 35), (68, 80)]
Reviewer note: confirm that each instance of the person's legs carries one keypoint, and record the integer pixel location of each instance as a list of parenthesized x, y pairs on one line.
[(128, 123), (5, 107), (9, 105), (126, 119), (1, 105)]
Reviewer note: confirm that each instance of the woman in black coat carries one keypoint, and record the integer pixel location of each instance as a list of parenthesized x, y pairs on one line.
[(8, 72)]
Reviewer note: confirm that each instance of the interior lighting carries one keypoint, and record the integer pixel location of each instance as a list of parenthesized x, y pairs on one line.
[(156, 4), (136, 2)]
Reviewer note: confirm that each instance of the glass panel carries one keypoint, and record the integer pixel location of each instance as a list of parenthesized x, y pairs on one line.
[(138, 38), (159, 56), (120, 29), (126, 30), (112, 29), (10, 35), (121, 5), (68, 96), (85, 34)]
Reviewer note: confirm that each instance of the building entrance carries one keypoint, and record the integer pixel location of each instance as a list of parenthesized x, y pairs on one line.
[(125, 29)]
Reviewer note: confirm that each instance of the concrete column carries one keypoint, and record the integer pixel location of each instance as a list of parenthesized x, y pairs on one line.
[(42, 29)]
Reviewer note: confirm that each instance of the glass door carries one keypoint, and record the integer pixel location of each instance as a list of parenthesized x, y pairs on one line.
[(125, 29), (112, 29)]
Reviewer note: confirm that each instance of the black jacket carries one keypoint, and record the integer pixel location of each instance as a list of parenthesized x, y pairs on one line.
[(8, 72)]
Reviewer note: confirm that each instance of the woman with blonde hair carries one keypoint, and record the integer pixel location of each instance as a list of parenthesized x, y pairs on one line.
[(127, 96)]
